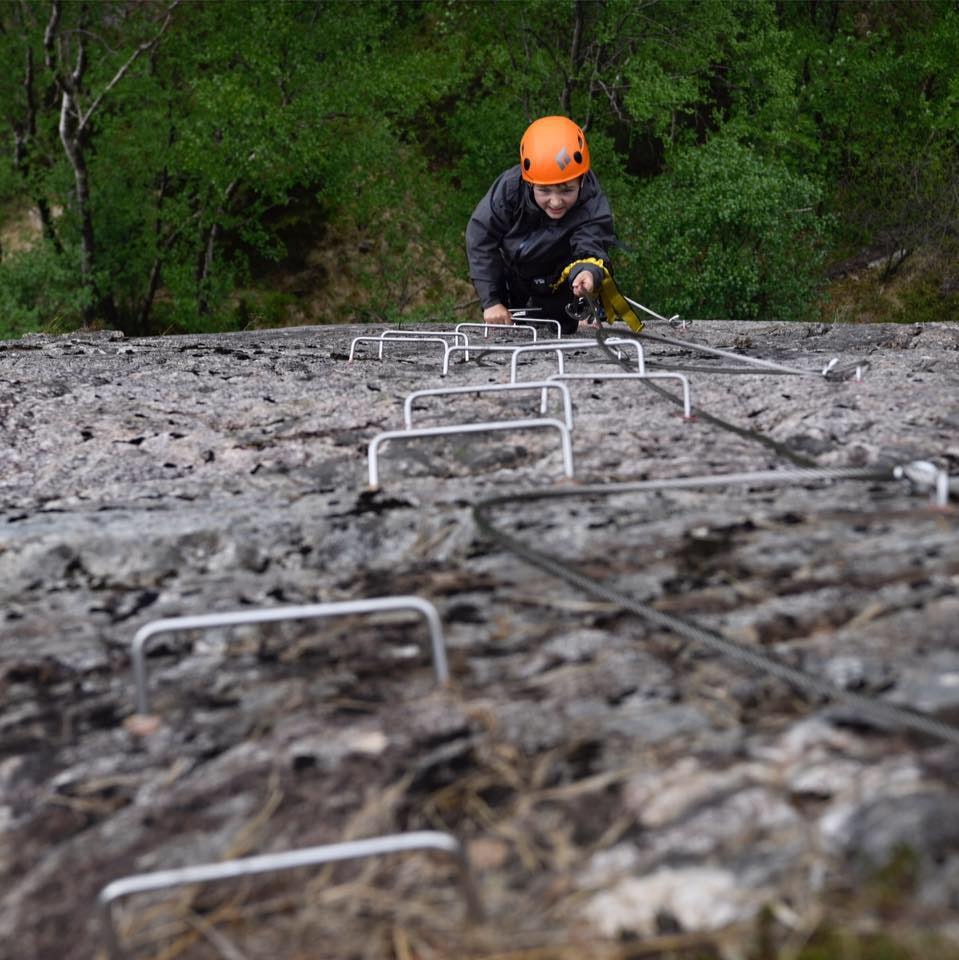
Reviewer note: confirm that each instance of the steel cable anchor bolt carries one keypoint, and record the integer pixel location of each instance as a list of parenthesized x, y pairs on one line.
[(924, 475)]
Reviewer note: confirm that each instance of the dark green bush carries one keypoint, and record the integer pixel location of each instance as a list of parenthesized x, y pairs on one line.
[(38, 291), (726, 233)]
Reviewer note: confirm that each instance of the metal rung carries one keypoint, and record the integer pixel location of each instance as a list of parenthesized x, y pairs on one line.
[(505, 349), (687, 403), (311, 611), (287, 860), (382, 340), (576, 345), (414, 334), (543, 385), (486, 427), (486, 327), (520, 313)]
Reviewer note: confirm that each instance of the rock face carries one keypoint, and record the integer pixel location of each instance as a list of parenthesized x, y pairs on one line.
[(609, 777)]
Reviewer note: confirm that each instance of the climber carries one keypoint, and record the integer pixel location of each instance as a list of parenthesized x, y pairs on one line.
[(540, 238)]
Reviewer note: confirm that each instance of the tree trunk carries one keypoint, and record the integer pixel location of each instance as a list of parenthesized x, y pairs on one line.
[(74, 144), (205, 264), (25, 133), (75, 130), (575, 47)]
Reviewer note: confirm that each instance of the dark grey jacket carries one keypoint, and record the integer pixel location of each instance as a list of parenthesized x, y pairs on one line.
[(509, 235)]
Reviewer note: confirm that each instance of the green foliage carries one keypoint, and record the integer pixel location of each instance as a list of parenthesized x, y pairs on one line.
[(38, 292), (835, 941), (880, 104), (726, 233), (260, 309)]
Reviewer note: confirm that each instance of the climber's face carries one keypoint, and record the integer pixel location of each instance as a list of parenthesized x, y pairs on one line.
[(556, 199)]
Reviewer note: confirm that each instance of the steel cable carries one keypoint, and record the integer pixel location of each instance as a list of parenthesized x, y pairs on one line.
[(882, 713), (775, 445)]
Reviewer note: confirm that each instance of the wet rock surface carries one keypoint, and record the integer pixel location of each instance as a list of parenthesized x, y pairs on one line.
[(610, 778)]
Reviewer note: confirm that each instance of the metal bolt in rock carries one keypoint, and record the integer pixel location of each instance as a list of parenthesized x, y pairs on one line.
[(311, 611), (544, 385), (485, 427), (925, 475), (288, 860)]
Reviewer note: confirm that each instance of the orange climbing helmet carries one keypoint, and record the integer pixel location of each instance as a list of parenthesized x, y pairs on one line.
[(553, 150)]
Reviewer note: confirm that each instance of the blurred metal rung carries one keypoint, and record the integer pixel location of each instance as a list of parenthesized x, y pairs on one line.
[(288, 860), (311, 611), (485, 427), (544, 385)]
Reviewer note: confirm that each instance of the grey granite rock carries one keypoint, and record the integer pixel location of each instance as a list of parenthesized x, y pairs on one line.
[(610, 758)]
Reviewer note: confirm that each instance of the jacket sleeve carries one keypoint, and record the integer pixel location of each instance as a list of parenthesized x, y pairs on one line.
[(484, 233)]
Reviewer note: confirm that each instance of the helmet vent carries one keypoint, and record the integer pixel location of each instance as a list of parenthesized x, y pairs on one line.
[(578, 157)]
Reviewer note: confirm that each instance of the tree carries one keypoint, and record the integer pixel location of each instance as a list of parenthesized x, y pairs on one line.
[(75, 82), (727, 233), (878, 91), (176, 150)]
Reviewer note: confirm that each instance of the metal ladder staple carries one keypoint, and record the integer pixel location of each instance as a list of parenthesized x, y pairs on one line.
[(485, 427), (557, 347), (288, 860), (213, 621), (408, 340), (457, 336), (486, 327), (578, 345), (520, 313), (544, 385)]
